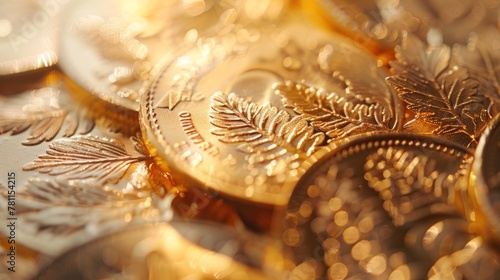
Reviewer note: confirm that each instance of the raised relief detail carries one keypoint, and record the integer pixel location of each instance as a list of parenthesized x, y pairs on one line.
[(46, 115), (183, 84), (410, 184), (99, 159), (334, 114), (116, 40), (441, 94), (483, 61), (264, 132), (71, 210)]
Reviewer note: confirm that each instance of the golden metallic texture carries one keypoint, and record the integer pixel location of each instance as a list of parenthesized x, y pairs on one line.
[(382, 207), (240, 111), (176, 250), (485, 181), (384, 21), (28, 38), (445, 98), (117, 43), (76, 176)]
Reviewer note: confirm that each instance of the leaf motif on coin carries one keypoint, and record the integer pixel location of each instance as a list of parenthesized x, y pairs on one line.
[(115, 39), (58, 215), (483, 61), (263, 131), (43, 193), (99, 159), (410, 185), (439, 93), (44, 115), (334, 114)]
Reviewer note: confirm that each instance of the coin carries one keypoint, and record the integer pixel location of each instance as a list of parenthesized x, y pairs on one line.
[(365, 21), (476, 260), (366, 209), (118, 43), (68, 176), (113, 59), (236, 113), (480, 56), (485, 181), (434, 21), (444, 96), (28, 35), (175, 250), (450, 22)]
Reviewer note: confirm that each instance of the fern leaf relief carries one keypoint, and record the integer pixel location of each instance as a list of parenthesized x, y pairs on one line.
[(334, 114), (101, 159), (262, 130)]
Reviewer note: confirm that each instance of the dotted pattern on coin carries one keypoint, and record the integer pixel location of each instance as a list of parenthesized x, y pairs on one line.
[(240, 111), (366, 209)]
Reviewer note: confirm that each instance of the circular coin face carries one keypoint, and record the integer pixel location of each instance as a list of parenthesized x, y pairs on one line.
[(177, 250), (238, 112), (485, 180), (27, 34), (109, 47), (366, 209)]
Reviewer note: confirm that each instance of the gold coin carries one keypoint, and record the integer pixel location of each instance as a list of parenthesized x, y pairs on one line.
[(69, 176), (476, 260), (28, 34), (110, 47), (485, 181), (175, 250), (449, 21), (375, 206), (13, 260), (364, 21), (239, 111), (384, 21)]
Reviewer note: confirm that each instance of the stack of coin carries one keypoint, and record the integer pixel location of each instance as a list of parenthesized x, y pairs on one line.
[(235, 139)]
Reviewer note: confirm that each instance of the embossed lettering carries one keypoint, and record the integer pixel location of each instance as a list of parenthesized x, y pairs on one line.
[(183, 84), (191, 132)]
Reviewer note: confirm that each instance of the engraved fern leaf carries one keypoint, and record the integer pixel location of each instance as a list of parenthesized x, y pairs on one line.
[(410, 185), (334, 114), (44, 127), (263, 131), (59, 215), (43, 193), (99, 159), (446, 98)]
